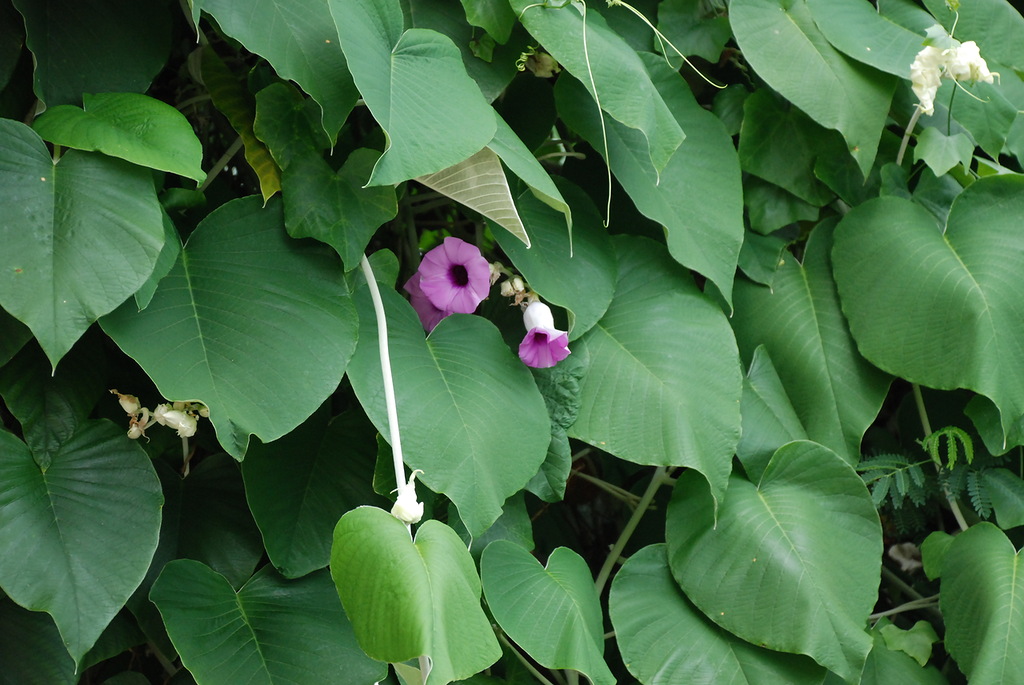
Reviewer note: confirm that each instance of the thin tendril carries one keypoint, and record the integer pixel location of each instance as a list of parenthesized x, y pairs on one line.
[(600, 112)]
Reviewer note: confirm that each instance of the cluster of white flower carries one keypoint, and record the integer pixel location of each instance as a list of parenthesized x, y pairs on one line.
[(180, 416), (962, 62)]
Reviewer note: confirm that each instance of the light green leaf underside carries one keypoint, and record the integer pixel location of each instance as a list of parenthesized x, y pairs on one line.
[(272, 630), (255, 325), (664, 383), (79, 236), (551, 612), (67, 550), (410, 598), (836, 92), (791, 563), (480, 184), (665, 640), (451, 392)]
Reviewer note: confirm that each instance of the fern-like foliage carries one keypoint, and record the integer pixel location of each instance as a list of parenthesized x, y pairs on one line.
[(894, 478), (981, 498)]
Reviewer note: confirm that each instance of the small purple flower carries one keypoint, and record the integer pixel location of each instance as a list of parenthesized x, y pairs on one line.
[(429, 315), (455, 277), (544, 345)]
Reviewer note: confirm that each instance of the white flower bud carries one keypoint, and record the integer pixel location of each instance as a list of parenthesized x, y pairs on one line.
[(538, 315), (175, 419), (407, 509), (130, 403), (135, 431)]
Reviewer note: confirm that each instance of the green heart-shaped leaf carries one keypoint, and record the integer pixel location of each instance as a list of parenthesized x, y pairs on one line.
[(664, 382), (80, 236), (552, 612), (79, 534), (272, 630), (791, 563), (665, 640), (416, 86), (982, 603), (409, 598), (239, 280), (944, 310)]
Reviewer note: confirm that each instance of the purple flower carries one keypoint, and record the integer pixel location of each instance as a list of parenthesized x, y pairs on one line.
[(455, 277), (544, 345), (429, 315)]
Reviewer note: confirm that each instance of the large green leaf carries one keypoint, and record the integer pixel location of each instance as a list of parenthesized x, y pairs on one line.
[(288, 123), (698, 198), (552, 612), (665, 640), (861, 32), (298, 38), (580, 277), (13, 335), (622, 84), (835, 91), (982, 603), (31, 651), (80, 236), (835, 392), (272, 630), (333, 206), (664, 383), (409, 598), (416, 86), (299, 486), (453, 412), (95, 46), (78, 535), (134, 127), (943, 310), (791, 563), (255, 325)]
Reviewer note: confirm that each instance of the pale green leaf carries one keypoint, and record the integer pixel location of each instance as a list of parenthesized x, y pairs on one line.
[(408, 598), (134, 127)]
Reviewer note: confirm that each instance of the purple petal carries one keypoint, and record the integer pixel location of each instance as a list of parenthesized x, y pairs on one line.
[(429, 315), (542, 348), (455, 277)]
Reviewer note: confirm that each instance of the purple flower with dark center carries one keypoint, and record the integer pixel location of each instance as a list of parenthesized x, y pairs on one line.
[(544, 345), (455, 277), (429, 315)]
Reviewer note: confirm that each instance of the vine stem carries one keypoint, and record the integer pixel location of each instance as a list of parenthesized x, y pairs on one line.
[(906, 135), (385, 369), (523, 660), (645, 501), (927, 426), (912, 605)]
